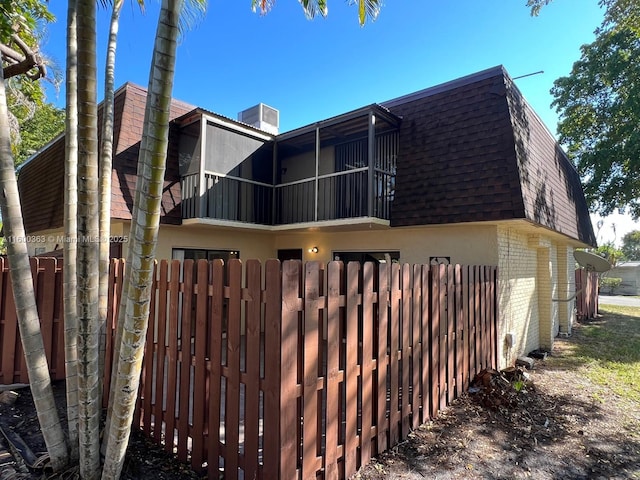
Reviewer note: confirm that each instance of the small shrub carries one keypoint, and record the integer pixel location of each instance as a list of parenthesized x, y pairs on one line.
[(610, 284)]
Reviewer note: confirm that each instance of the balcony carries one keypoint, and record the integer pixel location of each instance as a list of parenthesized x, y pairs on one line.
[(342, 168)]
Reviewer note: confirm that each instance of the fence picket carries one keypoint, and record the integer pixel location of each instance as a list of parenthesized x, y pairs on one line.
[(477, 317), (434, 338), (184, 357), (312, 361), (252, 368), (459, 331), (394, 352), (367, 395), (352, 367), (46, 274), (172, 356), (416, 343), (451, 333), (232, 383), (382, 359), (425, 328), (215, 368), (334, 374), (444, 321), (405, 334), (288, 454), (466, 340), (161, 328), (201, 291), (11, 338), (144, 402)]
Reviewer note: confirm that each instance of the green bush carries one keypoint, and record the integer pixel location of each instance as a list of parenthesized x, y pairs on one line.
[(610, 284)]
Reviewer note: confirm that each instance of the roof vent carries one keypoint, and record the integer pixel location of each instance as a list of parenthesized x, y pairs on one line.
[(261, 116)]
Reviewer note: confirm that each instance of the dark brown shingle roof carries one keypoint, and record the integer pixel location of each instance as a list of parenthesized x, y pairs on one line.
[(41, 179), (473, 150)]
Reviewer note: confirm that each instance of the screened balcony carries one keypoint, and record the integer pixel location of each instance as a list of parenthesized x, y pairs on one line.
[(341, 168)]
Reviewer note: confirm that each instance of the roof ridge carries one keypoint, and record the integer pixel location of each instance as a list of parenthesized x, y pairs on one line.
[(443, 87)]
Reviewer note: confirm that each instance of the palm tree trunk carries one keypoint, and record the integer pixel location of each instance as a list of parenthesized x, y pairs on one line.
[(28, 320), (71, 232), (148, 198), (88, 241), (105, 178)]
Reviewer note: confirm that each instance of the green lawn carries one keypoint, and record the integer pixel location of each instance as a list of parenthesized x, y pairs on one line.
[(607, 350)]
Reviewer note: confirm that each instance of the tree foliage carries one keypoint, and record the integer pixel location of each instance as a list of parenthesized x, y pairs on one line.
[(631, 245), (20, 22), (45, 124), (609, 252), (367, 9), (599, 107)]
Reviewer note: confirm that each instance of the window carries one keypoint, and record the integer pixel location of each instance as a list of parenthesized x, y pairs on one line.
[(203, 254), (362, 257), (289, 254)]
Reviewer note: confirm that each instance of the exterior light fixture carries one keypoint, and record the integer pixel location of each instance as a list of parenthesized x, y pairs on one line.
[(313, 250)]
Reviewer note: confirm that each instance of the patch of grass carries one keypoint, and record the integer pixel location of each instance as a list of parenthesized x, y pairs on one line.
[(608, 350)]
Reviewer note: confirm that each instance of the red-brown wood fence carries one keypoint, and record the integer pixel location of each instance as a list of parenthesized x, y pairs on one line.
[(291, 371), (587, 294)]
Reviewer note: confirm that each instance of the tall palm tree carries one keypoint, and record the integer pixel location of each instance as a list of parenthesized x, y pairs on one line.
[(143, 236), (23, 293), (71, 233), (106, 153), (88, 236)]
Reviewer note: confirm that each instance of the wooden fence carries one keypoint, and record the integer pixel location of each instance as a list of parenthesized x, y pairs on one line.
[(47, 274), (587, 294), (293, 371)]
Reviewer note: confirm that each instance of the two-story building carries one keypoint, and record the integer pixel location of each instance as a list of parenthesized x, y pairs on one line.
[(463, 172)]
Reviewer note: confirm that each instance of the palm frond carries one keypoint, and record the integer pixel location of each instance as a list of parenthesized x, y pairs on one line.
[(314, 7), (263, 5), (367, 9), (193, 12)]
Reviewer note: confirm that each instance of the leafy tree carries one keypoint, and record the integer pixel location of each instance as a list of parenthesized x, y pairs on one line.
[(631, 245), (21, 22), (45, 124), (600, 112), (610, 253), (19, 39)]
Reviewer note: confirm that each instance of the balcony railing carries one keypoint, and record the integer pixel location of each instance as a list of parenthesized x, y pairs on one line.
[(326, 197), (227, 198)]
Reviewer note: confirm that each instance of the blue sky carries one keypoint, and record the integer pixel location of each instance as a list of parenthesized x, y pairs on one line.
[(311, 70)]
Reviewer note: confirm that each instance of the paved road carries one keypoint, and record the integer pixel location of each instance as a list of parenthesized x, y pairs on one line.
[(619, 300)]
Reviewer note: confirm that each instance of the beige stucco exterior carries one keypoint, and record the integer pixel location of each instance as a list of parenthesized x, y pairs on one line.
[(536, 282)]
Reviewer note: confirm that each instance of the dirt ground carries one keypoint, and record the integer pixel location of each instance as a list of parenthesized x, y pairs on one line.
[(560, 426)]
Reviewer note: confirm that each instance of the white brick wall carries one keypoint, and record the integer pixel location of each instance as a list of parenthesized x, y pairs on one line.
[(517, 294), (535, 279), (566, 288)]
